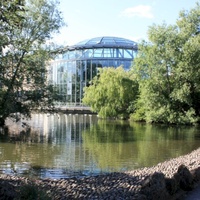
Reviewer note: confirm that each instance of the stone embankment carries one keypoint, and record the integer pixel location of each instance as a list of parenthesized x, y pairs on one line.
[(168, 180)]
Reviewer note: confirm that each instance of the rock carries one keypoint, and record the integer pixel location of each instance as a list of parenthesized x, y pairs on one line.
[(154, 187), (196, 174), (171, 185), (184, 178), (140, 197), (7, 191)]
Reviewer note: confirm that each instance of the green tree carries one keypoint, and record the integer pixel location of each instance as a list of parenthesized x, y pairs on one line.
[(167, 68), (112, 93), (25, 26)]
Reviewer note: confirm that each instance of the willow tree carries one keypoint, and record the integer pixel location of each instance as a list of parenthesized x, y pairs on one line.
[(168, 71), (112, 93), (25, 28)]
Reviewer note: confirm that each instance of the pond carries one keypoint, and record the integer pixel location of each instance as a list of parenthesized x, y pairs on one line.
[(61, 146)]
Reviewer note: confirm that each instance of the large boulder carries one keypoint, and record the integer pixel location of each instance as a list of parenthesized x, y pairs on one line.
[(7, 190), (184, 178), (196, 174), (171, 185), (154, 187)]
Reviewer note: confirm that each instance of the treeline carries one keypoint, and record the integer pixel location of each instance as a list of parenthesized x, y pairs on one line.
[(26, 28), (163, 84)]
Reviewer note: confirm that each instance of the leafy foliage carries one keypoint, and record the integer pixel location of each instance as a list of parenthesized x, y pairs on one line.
[(168, 70), (25, 27), (112, 93)]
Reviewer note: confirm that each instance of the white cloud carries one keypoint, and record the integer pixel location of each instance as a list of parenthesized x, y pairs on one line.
[(138, 11)]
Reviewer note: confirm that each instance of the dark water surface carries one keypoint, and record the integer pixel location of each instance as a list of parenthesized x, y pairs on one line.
[(61, 146)]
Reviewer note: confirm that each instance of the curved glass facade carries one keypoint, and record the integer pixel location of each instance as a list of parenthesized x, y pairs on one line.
[(76, 65)]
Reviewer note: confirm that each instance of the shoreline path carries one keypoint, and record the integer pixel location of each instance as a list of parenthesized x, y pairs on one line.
[(172, 179)]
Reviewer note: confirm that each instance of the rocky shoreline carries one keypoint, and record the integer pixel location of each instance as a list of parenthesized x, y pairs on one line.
[(168, 180)]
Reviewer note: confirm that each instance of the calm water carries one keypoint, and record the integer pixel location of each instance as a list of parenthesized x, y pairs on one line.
[(60, 146)]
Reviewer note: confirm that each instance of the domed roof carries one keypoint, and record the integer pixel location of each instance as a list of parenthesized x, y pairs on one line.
[(105, 42)]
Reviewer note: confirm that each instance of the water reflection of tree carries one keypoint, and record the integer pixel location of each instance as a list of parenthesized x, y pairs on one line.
[(49, 142), (26, 146), (67, 140), (123, 145), (161, 142), (24, 135), (106, 142)]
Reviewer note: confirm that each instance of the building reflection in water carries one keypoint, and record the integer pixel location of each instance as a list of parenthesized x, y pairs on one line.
[(51, 148), (65, 132)]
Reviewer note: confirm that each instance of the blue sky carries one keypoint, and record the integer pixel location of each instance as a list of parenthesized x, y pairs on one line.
[(120, 18)]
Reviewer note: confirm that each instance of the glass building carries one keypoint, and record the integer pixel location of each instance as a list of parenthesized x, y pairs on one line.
[(76, 65)]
